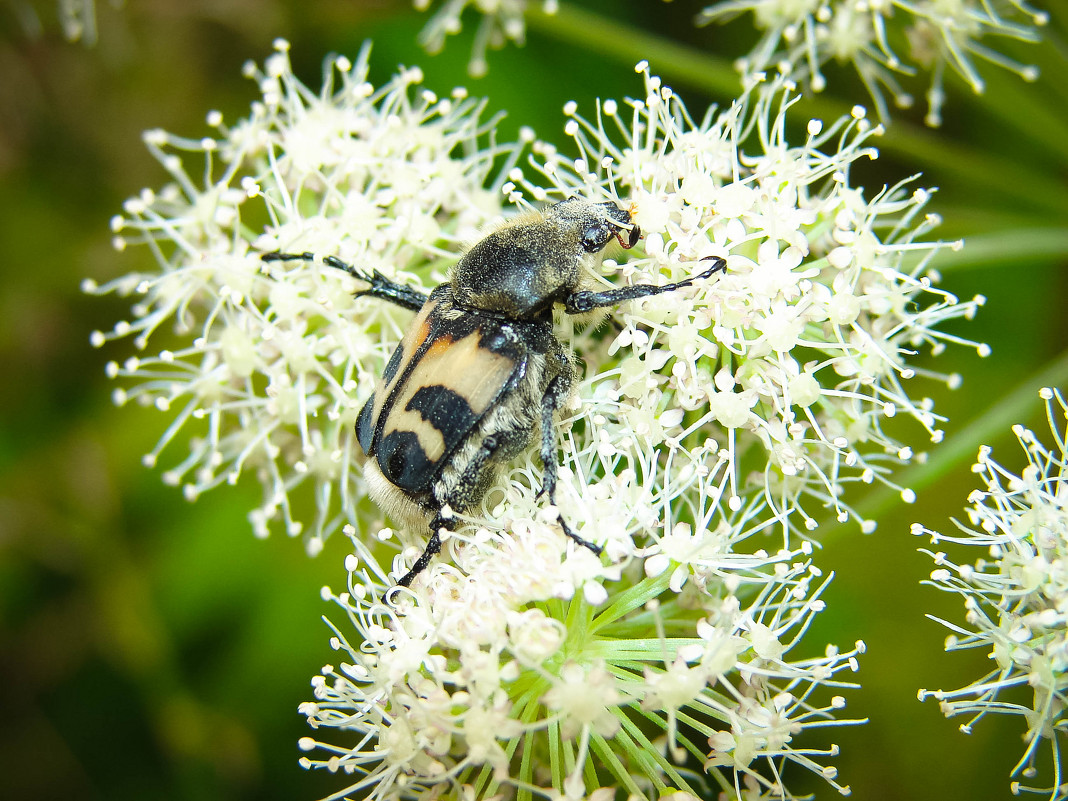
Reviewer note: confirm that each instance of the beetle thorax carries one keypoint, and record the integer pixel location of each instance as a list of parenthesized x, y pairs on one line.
[(521, 270)]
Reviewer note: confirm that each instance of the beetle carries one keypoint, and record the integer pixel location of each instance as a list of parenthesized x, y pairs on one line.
[(480, 371)]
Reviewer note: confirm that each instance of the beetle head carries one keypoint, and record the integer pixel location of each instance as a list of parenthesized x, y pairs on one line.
[(596, 223)]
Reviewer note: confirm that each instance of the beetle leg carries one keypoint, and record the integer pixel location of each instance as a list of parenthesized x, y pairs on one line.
[(380, 286), (433, 547), (580, 302), (554, 397)]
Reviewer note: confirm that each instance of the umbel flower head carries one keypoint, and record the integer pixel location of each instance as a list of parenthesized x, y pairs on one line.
[(485, 680), (708, 422), (264, 367), (1015, 595), (712, 428), (783, 379), (884, 40)]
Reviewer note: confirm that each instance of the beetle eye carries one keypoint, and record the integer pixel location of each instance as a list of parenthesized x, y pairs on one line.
[(596, 237)]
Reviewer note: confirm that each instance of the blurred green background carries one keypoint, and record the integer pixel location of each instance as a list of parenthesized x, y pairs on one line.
[(152, 648)]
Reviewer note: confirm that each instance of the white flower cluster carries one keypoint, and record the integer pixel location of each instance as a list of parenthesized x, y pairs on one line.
[(776, 381), (799, 37), (715, 426), (265, 367), (1015, 595), (488, 679), (502, 21), (709, 419)]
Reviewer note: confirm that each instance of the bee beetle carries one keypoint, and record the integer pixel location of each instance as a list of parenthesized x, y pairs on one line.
[(479, 371)]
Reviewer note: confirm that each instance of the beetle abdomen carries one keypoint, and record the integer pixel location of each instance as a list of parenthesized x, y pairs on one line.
[(407, 456), (447, 378)]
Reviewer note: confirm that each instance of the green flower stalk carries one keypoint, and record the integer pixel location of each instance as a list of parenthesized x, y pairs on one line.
[(1015, 596)]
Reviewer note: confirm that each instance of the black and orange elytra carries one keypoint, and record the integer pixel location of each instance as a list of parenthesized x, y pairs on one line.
[(480, 371)]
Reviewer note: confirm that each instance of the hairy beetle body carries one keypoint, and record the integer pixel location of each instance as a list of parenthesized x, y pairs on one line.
[(462, 399), (479, 371)]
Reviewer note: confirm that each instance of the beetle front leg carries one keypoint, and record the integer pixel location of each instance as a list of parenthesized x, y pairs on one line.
[(581, 302), (553, 399), (380, 286)]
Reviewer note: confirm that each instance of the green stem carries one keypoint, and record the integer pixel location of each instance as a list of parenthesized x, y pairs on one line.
[(624, 43), (969, 166), (1014, 245), (684, 64), (1050, 58), (1034, 114)]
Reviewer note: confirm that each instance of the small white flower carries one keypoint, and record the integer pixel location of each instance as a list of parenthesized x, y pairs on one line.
[(584, 698), (266, 366), (801, 36), (1015, 594), (78, 19)]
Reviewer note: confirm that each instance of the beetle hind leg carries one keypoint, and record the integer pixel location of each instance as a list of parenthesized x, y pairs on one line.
[(433, 548), (596, 549)]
